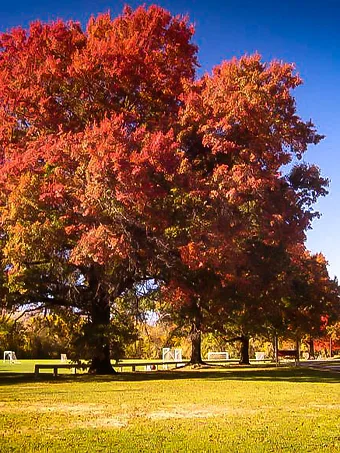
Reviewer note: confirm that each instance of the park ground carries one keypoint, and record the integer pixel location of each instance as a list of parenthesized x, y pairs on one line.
[(236, 409)]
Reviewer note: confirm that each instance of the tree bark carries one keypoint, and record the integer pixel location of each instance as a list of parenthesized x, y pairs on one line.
[(196, 337), (276, 349), (244, 359), (100, 324)]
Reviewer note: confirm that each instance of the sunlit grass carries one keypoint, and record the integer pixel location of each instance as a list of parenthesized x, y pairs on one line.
[(228, 410)]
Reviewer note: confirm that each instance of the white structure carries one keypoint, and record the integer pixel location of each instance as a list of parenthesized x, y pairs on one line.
[(169, 354), (259, 355), (172, 354), (221, 355), (63, 357), (10, 356)]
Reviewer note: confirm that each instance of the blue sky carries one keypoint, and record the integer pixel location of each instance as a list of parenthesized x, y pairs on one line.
[(304, 32)]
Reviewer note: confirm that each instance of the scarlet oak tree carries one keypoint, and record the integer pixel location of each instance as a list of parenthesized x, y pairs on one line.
[(88, 156), (118, 166)]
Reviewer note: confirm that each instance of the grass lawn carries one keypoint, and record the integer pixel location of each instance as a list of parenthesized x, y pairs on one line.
[(212, 410)]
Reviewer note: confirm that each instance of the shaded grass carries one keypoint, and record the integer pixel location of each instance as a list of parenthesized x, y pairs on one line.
[(254, 373), (228, 410)]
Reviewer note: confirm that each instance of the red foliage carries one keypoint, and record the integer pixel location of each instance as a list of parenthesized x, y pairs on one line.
[(111, 154)]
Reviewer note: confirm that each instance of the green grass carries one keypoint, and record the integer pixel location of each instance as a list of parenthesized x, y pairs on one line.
[(211, 410)]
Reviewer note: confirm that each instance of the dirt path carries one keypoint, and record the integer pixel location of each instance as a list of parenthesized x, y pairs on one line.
[(329, 365)]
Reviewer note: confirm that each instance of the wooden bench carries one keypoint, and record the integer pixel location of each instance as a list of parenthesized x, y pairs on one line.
[(120, 365), (56, 366), (148, 366), (288, 354)]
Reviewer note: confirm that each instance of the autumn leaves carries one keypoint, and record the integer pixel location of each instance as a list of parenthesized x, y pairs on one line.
[(117, 161)]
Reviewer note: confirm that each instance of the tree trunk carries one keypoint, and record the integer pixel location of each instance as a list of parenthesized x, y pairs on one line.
[(196, 337), (100, 363), (311, 352), (244, 359), (196, 357), (276, 349), (297, 347), (100, 329)]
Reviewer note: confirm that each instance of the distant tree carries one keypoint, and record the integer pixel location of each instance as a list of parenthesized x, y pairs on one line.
[(12, 333), (314, 300)]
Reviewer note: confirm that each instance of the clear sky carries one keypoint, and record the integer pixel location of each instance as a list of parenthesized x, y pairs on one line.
[(304, 32)]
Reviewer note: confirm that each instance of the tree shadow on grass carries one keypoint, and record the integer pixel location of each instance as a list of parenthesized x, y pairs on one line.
[(261, 374)]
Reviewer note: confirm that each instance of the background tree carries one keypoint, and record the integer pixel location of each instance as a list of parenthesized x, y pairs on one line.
[(239, 131), (12, 333), (313, 302)]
